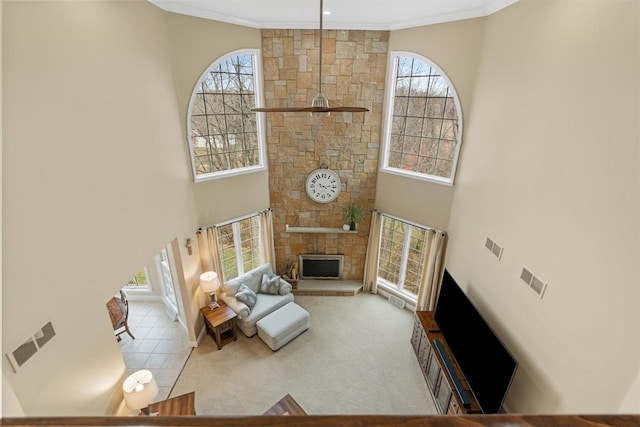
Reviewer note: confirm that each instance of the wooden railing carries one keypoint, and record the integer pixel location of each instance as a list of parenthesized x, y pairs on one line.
[(348, 421)]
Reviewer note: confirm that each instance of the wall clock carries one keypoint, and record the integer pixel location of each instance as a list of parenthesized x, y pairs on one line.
[(323, 185)]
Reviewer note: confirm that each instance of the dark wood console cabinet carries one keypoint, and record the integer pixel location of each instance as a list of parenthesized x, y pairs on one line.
[(450, 391)]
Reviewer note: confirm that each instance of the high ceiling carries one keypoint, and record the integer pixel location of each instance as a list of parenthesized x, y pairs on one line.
[(345, 14)]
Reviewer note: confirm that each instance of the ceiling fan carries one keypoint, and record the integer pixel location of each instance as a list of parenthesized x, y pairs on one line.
[(320, 103)]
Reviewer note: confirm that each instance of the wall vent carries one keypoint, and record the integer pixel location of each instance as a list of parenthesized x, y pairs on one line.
[(495, 248), (398, 302), (172, 313), (489, 244), (538, 286), (25, 351)]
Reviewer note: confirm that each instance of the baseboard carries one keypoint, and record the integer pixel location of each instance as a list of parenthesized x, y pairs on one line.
[(139, 296), (201, 335)]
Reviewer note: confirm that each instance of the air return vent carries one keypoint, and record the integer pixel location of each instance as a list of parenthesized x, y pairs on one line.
[(495, 248), (25, 351), (533, 282), (398, 302)]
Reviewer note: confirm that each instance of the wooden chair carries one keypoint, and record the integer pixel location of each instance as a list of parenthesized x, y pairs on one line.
[(119, 312)]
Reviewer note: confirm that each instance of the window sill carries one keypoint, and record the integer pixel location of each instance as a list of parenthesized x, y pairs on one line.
[(229, 173), (420, 177), (392, 290)]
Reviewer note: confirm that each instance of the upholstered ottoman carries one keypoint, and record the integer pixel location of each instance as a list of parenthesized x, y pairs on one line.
[(283, 325)]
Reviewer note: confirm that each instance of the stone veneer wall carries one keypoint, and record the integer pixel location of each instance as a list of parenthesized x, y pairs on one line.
[(353, 73)]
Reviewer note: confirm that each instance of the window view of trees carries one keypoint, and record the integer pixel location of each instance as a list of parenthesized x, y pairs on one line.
[(239, 245), (402, 249), (424, 136), (139, 281), (223, 130)]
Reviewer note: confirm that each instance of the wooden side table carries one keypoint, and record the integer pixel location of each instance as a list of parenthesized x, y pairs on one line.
[(179, 405), (220, 323)]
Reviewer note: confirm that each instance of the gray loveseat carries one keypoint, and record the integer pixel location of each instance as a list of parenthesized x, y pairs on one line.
[(265, 303)]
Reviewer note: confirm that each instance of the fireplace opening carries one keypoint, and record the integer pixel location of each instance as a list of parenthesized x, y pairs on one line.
[(317, 266)]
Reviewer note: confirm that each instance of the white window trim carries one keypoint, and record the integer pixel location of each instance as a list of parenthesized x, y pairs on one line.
[(237, 239), (392, 289), (260, 125), (388, 112)]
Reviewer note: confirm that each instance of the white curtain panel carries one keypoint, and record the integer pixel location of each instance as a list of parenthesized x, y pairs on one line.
[(209, 253), (266, 238), (370, 280), (433, 265)]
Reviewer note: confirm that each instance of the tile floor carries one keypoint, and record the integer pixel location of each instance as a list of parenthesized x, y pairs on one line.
[(160, 345)]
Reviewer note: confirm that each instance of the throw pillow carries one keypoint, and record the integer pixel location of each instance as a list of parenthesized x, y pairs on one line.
[(285, 287), (270, 284), (247, 296)]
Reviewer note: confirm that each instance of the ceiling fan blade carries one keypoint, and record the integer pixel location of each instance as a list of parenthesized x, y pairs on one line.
[(280, 109), (311, 110), (320, 104), (348, 109)]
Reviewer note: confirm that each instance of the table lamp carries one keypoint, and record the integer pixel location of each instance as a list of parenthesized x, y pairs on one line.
[(209, 283), (139, 389)]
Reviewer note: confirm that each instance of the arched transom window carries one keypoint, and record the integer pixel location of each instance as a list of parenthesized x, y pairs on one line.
[(225, 137), (423, 125)]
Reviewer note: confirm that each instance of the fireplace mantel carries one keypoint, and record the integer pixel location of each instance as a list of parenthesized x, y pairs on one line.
[(327, 230)]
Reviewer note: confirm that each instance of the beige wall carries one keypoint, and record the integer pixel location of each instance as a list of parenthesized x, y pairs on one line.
[(10, 406), (550, 171), (94, 182), (194, 45), (456, 48)]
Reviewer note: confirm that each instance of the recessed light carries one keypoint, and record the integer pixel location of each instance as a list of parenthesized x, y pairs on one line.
[(326, 12)]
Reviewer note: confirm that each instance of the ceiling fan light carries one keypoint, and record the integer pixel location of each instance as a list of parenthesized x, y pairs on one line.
[(320, 101)]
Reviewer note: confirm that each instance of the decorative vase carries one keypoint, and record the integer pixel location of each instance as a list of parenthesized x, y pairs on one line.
[(346, 227), (352, 226)]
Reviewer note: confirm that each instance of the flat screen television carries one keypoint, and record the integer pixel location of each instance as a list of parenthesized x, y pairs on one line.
[(485, 362)]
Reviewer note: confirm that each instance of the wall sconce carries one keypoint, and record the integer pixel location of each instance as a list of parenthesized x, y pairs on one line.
[(188, 246)]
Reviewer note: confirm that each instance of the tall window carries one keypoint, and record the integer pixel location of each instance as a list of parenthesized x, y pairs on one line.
[(400, 261), (239, 244), (225, 137), (423, 123)]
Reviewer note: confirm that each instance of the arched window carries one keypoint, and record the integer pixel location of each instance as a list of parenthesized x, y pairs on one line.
[(225, 137), (423, 127)]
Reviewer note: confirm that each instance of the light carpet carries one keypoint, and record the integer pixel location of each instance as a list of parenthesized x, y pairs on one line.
[(356, 358)]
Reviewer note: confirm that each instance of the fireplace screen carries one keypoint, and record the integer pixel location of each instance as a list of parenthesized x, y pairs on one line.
[(313, 266)]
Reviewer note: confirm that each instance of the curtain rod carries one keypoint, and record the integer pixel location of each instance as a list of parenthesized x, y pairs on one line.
[(415, 224), (231, 221)]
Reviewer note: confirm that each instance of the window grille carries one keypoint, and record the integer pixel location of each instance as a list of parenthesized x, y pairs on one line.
[(224, 135), (423, 131), (401, 256), (239, 245)]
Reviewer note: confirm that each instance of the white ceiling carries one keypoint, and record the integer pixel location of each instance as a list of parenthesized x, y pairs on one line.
[(345, 14)]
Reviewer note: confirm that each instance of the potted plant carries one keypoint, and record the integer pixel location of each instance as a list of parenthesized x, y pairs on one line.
[(353, 212)]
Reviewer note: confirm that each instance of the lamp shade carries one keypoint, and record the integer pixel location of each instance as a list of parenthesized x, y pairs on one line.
[(209, 282), (140, 388)]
